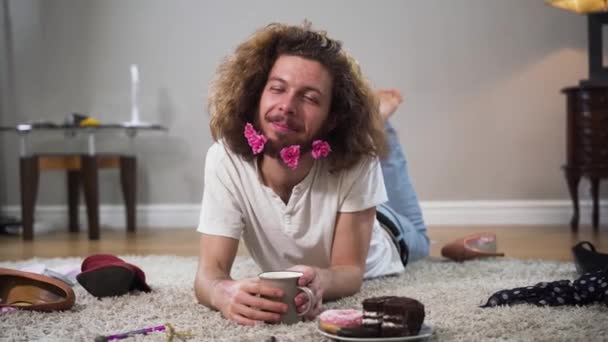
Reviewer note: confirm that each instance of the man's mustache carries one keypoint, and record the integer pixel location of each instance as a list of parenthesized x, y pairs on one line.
[(286, 121)]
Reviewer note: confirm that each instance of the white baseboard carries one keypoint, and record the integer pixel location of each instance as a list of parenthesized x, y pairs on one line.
[(154, 216), (163, 216), (547, 212)]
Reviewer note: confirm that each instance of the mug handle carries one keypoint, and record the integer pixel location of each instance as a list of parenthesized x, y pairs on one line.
[(311, 299)]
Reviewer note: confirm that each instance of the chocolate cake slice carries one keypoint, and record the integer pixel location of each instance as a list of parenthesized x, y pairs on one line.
[(373, 311), (403, 316)]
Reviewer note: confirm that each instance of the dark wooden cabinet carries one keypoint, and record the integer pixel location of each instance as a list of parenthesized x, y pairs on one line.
[(587, 143)]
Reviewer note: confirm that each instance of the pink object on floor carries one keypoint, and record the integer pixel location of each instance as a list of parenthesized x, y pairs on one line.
[(481, 245), (5, 310)]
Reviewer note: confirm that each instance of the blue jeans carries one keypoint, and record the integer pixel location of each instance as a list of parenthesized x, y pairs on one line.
[(402, 207)]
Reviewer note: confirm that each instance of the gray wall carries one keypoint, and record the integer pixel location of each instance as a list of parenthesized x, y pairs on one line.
[(483, 117)]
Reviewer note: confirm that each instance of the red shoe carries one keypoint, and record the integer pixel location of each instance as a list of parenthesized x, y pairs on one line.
[(474, 246), (31, 291), (105, 275)]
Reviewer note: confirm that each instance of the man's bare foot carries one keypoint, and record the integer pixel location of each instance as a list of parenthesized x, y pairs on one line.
[(389, 100)]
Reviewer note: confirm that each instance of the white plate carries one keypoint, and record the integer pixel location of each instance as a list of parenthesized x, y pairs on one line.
[(425, 332)]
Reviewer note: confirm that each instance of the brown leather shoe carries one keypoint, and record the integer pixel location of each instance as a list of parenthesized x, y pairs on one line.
[(471, 247), (31, 291)]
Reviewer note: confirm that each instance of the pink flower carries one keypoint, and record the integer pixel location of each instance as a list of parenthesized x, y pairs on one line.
[(320, 149), (255, 140), (291, 155)]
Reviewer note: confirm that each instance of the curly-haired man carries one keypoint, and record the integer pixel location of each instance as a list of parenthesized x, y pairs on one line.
[(295, 172)]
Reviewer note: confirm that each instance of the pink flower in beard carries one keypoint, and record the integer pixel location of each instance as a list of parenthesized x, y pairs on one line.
[(255, 140), (291, 156), (320, 149)]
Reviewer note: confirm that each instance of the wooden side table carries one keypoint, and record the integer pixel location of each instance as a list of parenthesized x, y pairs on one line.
[(587, 143), (82, 171)]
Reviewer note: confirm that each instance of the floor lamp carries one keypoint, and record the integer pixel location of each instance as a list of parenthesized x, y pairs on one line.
[(597, 21)]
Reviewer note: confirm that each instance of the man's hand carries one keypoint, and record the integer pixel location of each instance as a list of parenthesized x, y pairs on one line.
[(310, 278), (244, 301), (241, 301)]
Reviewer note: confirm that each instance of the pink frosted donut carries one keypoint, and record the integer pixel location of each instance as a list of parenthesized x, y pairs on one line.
[(332, 320)]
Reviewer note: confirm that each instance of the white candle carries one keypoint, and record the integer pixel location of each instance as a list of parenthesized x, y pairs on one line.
[(134, 89)]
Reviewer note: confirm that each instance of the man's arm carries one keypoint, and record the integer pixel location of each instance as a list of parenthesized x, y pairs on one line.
[(216, 255), (348, 255), (237, 300)]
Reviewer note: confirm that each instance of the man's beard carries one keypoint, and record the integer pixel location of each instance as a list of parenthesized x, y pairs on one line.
[(273, 148)]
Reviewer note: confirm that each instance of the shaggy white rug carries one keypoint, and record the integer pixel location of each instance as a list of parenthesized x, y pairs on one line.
[(450, 291)]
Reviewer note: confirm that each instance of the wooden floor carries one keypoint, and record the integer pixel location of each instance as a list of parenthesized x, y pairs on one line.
[(526, 242)]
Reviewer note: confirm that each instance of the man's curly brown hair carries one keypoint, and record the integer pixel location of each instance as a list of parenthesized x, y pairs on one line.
[(240, 79)]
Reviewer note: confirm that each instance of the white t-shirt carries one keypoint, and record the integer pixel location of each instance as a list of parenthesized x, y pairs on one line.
[(237, 204)]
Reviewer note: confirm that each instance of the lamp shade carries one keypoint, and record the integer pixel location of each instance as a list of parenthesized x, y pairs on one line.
[(580, 6)]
